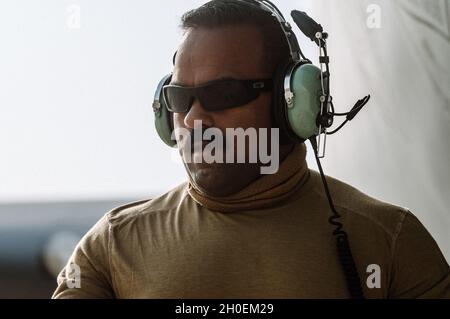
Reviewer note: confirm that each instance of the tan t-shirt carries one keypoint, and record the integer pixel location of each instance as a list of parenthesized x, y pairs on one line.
[(172, 247)]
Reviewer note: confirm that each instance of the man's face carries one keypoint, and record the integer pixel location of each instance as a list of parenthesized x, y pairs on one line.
[(206, 55)]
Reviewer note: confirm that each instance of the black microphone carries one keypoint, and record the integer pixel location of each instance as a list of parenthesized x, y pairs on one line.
[(307, 25)]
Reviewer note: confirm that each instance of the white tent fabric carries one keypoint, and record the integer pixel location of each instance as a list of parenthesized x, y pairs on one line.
[(398, 148)]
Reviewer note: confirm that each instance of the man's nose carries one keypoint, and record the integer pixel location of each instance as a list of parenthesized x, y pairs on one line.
[(198, 113)]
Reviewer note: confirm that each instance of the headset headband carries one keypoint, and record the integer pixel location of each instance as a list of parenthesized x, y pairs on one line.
[(294, 47)]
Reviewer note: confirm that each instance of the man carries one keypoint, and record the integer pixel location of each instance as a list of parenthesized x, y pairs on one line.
[(231, 232)]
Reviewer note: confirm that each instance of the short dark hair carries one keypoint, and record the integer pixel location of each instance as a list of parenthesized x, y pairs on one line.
[(222, 13)]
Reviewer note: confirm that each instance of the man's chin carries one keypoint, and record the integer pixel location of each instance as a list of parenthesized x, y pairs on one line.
[(209, 181), (219, 180)]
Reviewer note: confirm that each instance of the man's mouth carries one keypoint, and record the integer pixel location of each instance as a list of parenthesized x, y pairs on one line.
[(199, 155)]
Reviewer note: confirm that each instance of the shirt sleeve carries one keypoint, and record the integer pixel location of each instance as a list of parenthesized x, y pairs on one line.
[(419, 269), (87, 273)]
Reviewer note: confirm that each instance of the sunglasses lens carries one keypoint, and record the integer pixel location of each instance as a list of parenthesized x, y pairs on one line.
[(216, 96), (178, 99), (226, 94)]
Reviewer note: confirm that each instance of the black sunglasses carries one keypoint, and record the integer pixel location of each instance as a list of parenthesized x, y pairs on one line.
[(215, 96)]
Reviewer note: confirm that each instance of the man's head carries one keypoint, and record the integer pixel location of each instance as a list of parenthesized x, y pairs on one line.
[(227, 39)]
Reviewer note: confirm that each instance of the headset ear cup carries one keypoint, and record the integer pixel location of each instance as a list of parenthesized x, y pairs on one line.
[(279, 107), (302, 115), (298, 121), (163, 117)]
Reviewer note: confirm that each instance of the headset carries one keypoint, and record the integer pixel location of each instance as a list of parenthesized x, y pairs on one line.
[(302, 110)]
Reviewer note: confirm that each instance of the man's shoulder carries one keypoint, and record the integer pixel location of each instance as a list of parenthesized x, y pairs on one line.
[(135, 210), (356, 205)]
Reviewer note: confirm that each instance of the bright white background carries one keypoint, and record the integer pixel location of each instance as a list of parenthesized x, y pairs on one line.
[(76, 119)]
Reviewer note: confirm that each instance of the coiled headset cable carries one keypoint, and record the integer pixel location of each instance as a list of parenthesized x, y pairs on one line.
[(343, 247)]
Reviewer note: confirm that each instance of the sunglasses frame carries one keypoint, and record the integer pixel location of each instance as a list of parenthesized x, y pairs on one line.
[(253, 86)]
